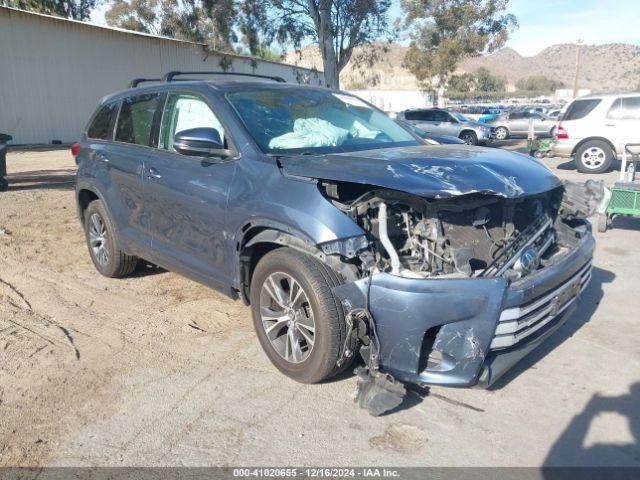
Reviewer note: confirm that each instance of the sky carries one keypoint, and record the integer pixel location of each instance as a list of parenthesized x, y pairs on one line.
[(547, 22)]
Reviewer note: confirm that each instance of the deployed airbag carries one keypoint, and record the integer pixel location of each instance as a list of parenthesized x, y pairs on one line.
[(308, 133)]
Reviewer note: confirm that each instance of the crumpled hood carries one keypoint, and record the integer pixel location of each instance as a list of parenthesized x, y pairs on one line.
[(431, 171)]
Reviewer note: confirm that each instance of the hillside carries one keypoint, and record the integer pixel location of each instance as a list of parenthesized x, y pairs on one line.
[(603, 68)]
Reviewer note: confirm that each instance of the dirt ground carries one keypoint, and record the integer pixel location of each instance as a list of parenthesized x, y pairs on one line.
[(156, 370)]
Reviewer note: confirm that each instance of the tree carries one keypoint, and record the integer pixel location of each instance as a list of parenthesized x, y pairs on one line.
[(481, 80), (213, 22), (206, 21), (337, 26), (444, 32), (76, 9), (463, 82), (538, 83), (487, 82)]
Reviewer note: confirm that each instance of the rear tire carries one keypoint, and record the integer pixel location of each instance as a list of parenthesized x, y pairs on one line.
[(594, 156), (502, 133), (103, 244), (313, 325), (4, 185)]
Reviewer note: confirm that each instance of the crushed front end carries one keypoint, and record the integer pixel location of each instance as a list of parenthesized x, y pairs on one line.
[(455, 291)]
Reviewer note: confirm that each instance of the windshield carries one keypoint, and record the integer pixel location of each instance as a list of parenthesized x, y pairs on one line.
[(303, 120), (460, 117)]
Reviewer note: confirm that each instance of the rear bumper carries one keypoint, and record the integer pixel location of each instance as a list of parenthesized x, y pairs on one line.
[(563, 148), (475, 328)]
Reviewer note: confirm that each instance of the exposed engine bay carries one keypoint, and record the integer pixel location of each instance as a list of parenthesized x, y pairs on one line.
[(478, 238), (478, 235)]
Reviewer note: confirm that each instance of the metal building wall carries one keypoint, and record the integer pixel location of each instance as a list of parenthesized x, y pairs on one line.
[(54, 71)]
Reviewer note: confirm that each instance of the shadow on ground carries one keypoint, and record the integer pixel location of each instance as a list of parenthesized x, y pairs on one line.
[(569, 449), (42, 179), (571, 165)]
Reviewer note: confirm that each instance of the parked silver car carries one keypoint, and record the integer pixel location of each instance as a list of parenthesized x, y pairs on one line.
[(514, 124), (442, 122)]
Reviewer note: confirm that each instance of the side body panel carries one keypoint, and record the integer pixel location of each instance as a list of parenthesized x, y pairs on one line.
[(186, 199)]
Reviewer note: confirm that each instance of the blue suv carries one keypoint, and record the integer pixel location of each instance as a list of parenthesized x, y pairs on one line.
[(345, 233)]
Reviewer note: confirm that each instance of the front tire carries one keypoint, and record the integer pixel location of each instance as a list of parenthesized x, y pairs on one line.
[(299, 323), (103, 244), (595, 156), (469, 138)]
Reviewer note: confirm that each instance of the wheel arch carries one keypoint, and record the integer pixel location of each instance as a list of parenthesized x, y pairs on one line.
[(592, 139), (84, 196), (467, 130), (258, 239)]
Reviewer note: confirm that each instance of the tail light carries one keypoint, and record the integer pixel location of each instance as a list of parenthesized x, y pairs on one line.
[(75, 149), (561, 133)]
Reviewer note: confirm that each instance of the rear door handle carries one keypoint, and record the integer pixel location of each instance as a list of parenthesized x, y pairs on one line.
[(153, 174), (610, 125), (103, 158)]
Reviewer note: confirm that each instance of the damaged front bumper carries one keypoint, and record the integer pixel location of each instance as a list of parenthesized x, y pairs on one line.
[(470, 331)]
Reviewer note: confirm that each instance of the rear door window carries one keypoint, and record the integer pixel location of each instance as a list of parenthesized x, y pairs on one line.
[(101, 127), (135, 121), (625, 109), (580, 109)]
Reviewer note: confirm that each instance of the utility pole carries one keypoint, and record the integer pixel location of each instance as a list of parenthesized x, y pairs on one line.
[(575, 79)]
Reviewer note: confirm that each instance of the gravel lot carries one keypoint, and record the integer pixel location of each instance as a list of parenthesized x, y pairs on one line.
[(156, 370)]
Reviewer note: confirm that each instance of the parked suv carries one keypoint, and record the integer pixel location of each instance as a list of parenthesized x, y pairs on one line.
[(344, 232), (594, 130), (443, 122)]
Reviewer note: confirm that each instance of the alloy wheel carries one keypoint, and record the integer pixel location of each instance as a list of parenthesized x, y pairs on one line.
[(593, 157), (287, 317), (468, 139), (501, 134), (98, 239)]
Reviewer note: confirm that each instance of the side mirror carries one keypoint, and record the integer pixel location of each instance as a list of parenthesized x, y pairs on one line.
[(200, 142)]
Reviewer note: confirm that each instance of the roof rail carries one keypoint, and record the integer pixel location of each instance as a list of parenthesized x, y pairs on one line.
[(168, 77), (137, 81)]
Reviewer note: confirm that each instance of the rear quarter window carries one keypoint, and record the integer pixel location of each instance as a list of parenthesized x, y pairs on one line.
[(580, 109), (102, 125)]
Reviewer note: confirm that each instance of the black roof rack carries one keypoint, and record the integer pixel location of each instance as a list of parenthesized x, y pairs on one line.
[(168, 77), (137, 81)]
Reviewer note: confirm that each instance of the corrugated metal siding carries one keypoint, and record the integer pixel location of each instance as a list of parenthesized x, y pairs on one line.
[(53, 72)]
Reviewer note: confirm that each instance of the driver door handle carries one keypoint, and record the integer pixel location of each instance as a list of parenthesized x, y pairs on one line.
[(152, 174)]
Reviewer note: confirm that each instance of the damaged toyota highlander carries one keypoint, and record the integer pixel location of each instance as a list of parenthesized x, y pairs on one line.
[(348, 236)]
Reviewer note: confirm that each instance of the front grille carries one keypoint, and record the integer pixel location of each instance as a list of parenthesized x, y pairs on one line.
[(520, 322)]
